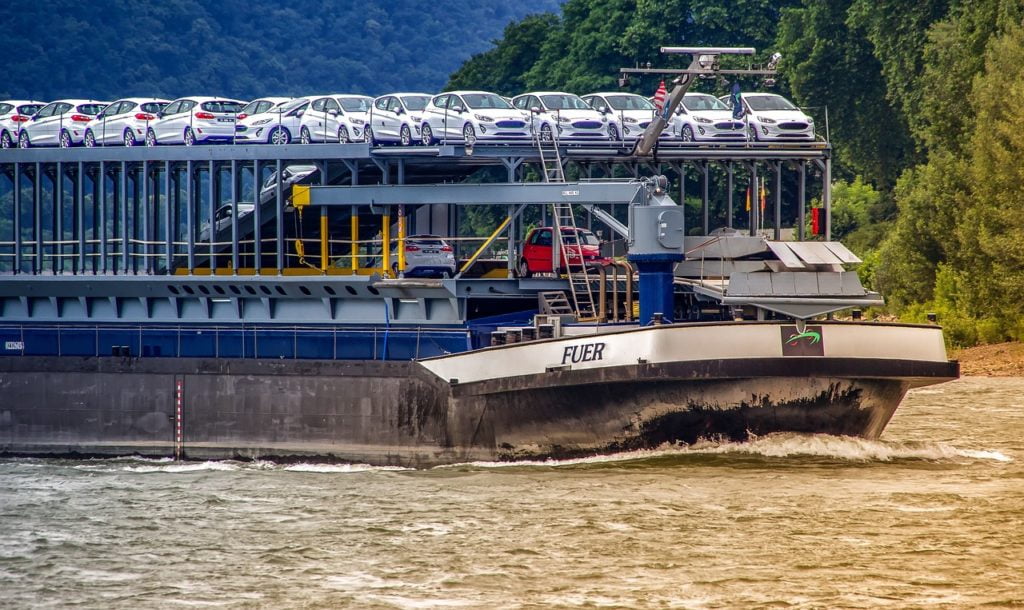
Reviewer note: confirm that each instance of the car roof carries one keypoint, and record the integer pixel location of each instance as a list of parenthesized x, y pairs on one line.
[(141, 100), (351, 96), (612, 93), (465, 91), (546, 93), (270, 98), (207, 98), (425, 236), (403, 93), (17, 102), (78, 101)]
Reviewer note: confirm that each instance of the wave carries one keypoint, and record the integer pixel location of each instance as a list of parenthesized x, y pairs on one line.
[(775, 446)]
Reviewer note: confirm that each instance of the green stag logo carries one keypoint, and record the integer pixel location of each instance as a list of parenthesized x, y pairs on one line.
[(807, 334)]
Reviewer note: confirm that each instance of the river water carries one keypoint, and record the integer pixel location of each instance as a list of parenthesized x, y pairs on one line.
[(931, 516)]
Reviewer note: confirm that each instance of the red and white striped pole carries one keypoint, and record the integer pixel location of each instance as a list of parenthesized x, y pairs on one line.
[(179, 442)]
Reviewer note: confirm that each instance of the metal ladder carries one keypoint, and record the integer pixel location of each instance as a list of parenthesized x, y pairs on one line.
[(576, 269)]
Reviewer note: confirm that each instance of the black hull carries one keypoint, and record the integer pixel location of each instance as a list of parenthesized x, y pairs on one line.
[(397, 413)]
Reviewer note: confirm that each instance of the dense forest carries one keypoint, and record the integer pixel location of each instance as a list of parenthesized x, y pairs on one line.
[(921, 96), (243, 49)]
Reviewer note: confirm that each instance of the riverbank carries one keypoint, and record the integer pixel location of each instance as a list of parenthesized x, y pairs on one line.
[(998, 360)]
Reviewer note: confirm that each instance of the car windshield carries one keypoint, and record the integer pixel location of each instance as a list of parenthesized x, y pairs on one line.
[(478, 101), (92, 109), (253, 107), (355, 104), (564, 102), (769, 102), (703, 102), (629, 102), (222, 106), (153, 107), (292, 105), (427, 241), (415, 102), (586, 237)]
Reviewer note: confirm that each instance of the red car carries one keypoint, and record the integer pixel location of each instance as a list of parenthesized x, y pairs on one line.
[(537, 250)]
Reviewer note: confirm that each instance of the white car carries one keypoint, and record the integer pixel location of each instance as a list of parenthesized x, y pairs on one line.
[(773, 117), (195, 120), (470, 116), (335, 118), (702, 117), (14, 114), (565, 115), (261, 105), (222, 218), (630, 113), (278, 125), (123, 122), (61, 123), (425, 256), (396, 117)]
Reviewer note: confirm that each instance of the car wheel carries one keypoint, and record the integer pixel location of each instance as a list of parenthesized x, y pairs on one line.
[(545, 133), (427, 135), (686, 135), (405, 136), (304, 136), (279, 135), (65, 139), (524, 269), (368, 136), (190, 138), (23, 141), (343, 136), (90, 139), (5, 140), (448, 273), (469, 134), (613, 133), (752, 130), (150, 137), (129, 138), (394, 269)]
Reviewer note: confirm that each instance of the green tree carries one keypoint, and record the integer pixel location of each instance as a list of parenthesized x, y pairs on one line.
[(503, 68)]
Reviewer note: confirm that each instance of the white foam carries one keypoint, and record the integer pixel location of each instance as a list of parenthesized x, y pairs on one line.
[(780, 445), (341, 468)]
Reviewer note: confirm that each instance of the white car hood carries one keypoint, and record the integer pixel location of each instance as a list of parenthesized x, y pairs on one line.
[(575, 115), (782, 115), (499, 114), (714, 115), (640, 115)]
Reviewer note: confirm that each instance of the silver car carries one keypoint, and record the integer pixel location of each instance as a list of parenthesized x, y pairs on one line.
[(123, 122), (425, 256), (195, 120), (14, 114), (60, 123)]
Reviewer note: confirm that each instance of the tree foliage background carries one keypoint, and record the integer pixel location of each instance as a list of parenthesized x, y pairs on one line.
[(921, 96), (243, 49)]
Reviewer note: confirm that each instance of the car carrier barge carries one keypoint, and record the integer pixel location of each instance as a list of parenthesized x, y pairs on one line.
[(137, 318)]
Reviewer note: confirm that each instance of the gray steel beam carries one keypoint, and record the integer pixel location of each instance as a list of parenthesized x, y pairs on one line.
[(58, 219), (80, 216), (778, 201), (123, 208), (190, 207), (801, 201), (478, 194), (17, 218), (731, 188), (212, 189), (37, 218), (144, 214), (102, 224), (257, 218), (279, 190), (234, 217), (168, 222)]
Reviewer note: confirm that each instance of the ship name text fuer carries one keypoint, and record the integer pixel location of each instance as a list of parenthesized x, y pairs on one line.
[(588, 352)]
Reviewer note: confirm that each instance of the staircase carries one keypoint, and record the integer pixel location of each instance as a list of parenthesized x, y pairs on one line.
[(566, 231)]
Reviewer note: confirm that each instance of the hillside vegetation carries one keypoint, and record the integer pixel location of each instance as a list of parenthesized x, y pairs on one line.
[(243, 49), (921, 99)]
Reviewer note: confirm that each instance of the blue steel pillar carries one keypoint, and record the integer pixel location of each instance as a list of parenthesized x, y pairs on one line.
[(656, 285)]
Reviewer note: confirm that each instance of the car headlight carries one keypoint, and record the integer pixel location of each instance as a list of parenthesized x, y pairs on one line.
[(564, 119), (810, 121), (631, 120), (483, 118), (701, 119), (262, 122), (358, 121), (766, 120)]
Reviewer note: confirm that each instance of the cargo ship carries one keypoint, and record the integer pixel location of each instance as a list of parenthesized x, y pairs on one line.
[(253, 302)]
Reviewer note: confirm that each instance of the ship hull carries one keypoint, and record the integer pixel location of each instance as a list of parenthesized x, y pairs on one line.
[(546, 399)]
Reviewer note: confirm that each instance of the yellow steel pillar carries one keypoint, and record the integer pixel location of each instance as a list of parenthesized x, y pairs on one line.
[(386, 239), (401, 239), (355, 239), (323, 239)]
